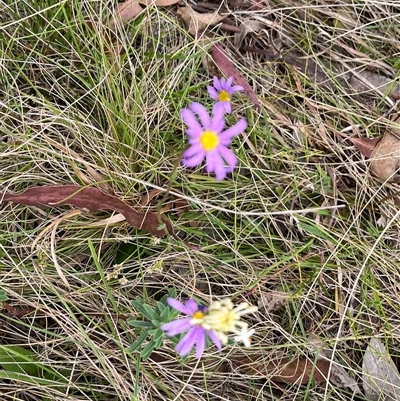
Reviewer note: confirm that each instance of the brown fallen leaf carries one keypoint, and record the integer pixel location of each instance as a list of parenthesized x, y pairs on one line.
[(272, 302), (385, 158), (181, 205), (130, 9), (149, 196), (90, 199), (298, 370), (229, 69), (248, 25), (14, 312), (197, 22), (125, 12), (365, 145), (338, 374)]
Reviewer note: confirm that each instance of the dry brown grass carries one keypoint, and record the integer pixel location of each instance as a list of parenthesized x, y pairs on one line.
[(70, 117)]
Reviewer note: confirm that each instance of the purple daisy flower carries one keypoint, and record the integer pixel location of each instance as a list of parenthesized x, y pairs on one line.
[(209, 141), (193, 323), (222, 91)]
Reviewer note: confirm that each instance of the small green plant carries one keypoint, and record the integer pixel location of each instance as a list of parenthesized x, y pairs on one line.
[(150, 327), (199, 324)]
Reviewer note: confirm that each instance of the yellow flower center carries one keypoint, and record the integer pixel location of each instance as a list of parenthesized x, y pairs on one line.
[(197, 318), (223, 96), (198, 315), (209, 141)]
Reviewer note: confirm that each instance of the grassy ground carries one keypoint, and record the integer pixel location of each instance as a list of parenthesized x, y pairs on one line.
[(75, 112)]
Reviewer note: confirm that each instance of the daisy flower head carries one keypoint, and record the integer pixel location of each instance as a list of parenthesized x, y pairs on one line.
[(196, 333), (222, 91), (223, 317), (208, 139)]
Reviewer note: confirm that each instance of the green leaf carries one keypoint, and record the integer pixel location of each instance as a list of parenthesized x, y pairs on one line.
[(147, 350), (167, 314), (150, 312), (161, 227), (3, 296), (158, 334), (25, 378), (138, 305), (140, 323), (19, 360), (160, 308), (158, 342), (153, 332), (136, 345), (316, 230)]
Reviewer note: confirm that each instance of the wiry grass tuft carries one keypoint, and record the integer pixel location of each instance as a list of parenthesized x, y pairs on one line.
[(299, 219)]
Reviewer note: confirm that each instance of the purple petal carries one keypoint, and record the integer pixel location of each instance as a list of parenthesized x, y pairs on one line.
[(179, 306), (218, 125), (194, 133), (192, 305), (176, 326), (214, 160), (214, 338), (191, 121), (195, 160), (223, 83), (191, 337), (229, 82), (193, 140), (210, 157), (193, 150), (201, 345), (217, 84), (227, 107), (236, 129), (218, 122), (212, 92), (201, 111), (235, 89), (228, 156), (220, 171)]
